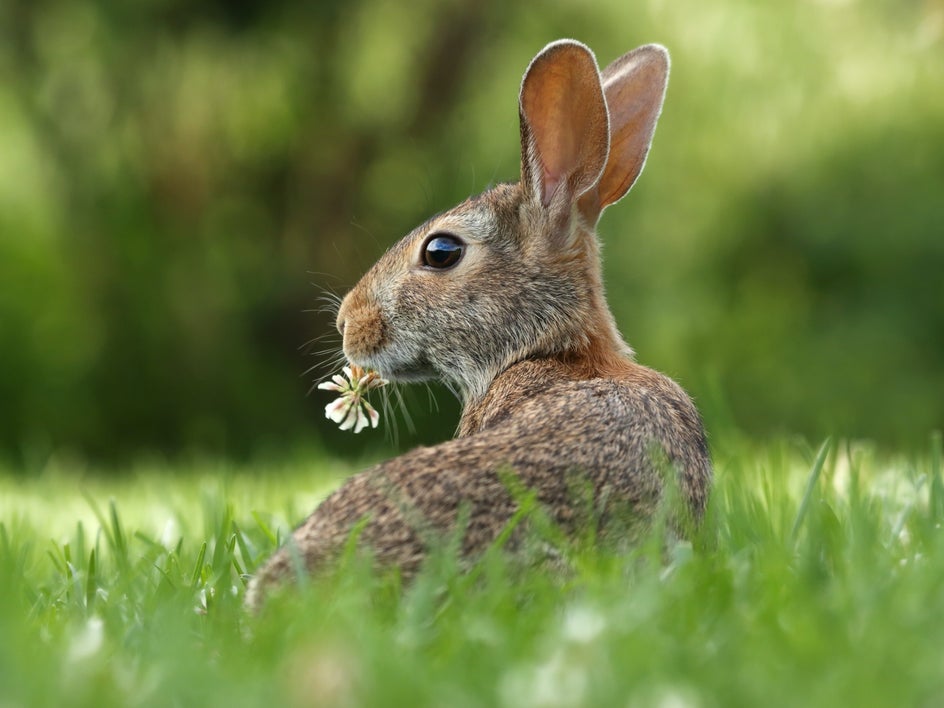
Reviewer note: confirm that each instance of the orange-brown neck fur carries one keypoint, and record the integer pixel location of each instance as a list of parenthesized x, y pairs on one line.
[(601, 351), (595, 349)]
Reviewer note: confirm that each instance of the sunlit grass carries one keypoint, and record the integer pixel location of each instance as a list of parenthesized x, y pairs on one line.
[(815, 581)]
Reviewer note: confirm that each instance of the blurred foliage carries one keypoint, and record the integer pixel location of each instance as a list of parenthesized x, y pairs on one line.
[(180, 181)]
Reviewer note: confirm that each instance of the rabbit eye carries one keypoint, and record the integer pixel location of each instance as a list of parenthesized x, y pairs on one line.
[(442, 251)]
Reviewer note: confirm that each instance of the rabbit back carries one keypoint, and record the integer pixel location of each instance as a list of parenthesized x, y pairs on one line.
[(609, 442)]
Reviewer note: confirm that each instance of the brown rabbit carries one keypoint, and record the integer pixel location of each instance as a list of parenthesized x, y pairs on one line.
[(502, 298)]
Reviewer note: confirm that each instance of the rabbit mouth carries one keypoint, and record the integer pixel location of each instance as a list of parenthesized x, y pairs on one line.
[(413, 373), (419, 369)]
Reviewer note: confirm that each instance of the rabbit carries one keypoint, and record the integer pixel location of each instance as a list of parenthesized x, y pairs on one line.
[(502, 298)]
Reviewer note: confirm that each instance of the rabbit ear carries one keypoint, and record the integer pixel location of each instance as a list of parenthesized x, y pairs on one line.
[(634, 86), (564, 130)]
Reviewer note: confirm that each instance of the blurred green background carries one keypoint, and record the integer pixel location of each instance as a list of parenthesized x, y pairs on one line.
[(180, 181)]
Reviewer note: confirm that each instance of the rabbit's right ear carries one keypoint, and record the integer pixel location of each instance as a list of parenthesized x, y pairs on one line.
[(564, 128)]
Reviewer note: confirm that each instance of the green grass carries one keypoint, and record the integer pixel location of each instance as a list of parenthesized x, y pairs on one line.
[(817, 579)]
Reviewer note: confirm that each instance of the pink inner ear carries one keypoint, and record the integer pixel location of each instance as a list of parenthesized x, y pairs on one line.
[(551, 183), (564, 124)]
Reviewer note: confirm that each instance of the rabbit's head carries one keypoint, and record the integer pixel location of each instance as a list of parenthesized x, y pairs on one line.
[(514, 273)]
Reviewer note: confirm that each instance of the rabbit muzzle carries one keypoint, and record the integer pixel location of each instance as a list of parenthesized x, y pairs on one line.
[(368, 341)]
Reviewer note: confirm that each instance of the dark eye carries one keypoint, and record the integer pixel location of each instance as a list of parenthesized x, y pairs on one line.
[(442, 251)]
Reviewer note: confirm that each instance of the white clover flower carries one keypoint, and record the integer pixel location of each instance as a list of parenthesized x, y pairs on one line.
[(351, 409)]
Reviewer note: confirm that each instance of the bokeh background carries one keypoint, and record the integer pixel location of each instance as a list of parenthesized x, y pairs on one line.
[(180, 181)]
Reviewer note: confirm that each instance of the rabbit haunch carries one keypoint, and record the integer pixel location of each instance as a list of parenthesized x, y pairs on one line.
[(520, 326)]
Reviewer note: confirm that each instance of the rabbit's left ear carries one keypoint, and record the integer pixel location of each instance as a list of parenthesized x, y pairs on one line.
[(564, 128), (635, 87)]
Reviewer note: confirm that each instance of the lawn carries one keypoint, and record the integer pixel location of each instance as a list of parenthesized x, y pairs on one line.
[(817, 579)]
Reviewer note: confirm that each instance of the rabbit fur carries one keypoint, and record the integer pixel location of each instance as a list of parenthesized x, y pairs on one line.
[(521, 328)]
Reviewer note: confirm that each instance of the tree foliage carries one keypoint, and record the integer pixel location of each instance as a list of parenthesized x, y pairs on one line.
[(180, 181)]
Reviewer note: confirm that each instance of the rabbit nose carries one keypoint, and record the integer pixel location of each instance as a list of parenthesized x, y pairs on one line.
[(342, 315)]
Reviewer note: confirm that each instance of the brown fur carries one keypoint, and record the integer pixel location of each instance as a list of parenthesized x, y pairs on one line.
[(520, 327)]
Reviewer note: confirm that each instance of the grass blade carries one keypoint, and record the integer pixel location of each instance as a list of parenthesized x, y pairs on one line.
[(103, 524), (118, 535), (264, 527), (245, 547), (811, 481), (90, 581), (198, 567), (937, 484)]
